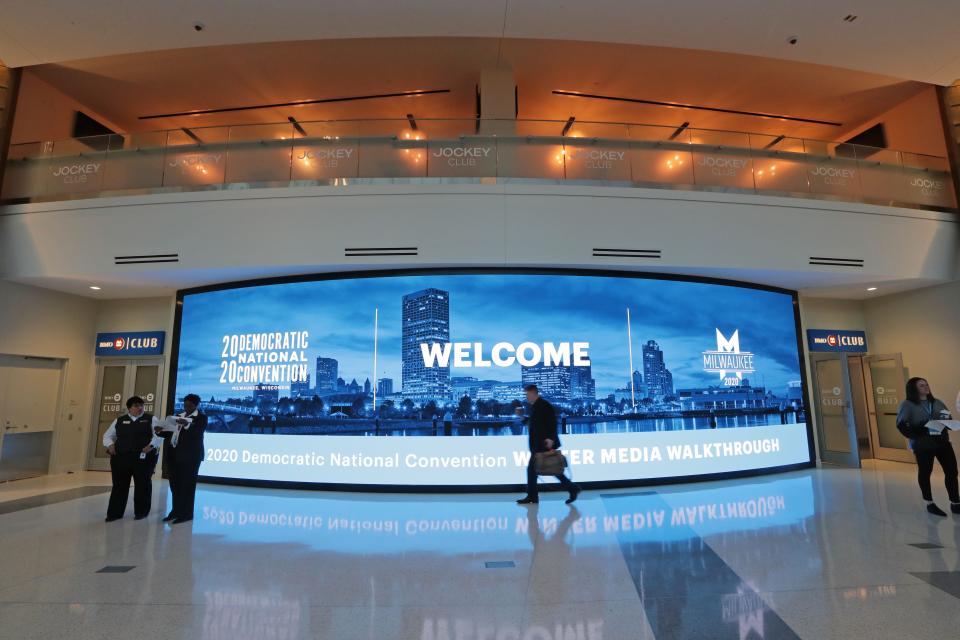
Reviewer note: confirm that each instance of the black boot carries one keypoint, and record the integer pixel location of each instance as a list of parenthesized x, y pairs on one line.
[(573, 495), (955, 507), (935, 510), (528, 500)]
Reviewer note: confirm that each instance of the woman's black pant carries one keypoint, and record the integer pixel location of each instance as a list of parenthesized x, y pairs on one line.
[(183, 485), (936, 448)]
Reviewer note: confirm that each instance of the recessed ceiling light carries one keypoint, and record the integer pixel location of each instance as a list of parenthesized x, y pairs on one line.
[(871, 288), (94, 287)]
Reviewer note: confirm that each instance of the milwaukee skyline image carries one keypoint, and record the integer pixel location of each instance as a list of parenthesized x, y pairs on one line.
[(470, 343)]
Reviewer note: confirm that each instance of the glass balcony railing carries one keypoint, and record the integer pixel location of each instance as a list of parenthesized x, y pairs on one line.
[(488, 151)]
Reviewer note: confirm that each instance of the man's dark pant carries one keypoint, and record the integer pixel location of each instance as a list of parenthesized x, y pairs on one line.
[(532, 490), (183, 485), (123, 467), (937, 448)]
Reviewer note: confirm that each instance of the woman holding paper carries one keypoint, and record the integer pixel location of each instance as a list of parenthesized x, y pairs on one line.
[(919, 420), (185, 434)]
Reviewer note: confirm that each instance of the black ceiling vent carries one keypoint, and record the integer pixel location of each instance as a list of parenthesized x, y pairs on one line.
[(363, 252), (647, 254), (154, 258), (856, 263)]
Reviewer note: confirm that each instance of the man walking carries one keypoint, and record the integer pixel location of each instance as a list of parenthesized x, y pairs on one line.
[(542, 430)]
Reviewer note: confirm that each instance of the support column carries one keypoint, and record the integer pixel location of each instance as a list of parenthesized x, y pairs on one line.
[(498, 99), (950, 110), (9, 86)]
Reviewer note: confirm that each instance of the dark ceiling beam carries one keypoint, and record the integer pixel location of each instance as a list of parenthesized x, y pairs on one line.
[(697, 107), (296, 103)]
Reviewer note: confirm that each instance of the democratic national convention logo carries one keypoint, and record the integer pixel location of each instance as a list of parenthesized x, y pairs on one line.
[(728, 360)]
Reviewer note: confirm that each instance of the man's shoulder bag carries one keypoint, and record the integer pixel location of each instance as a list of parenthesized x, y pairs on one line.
[(550, 463)]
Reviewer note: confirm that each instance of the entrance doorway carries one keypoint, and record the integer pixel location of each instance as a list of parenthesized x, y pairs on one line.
[(117, 380), (836, 424), (857, 398), (885, 381), (30, 390)]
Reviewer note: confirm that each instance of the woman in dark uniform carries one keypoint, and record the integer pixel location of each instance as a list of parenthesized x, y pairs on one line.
[(133, 450)]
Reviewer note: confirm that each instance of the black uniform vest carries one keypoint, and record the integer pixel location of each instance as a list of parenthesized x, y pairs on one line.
[(133, 434)]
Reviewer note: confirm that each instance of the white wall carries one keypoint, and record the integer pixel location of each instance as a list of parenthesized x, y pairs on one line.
[(832, 313), (38, 322), (44, 323), (923, 325), (234, 234)]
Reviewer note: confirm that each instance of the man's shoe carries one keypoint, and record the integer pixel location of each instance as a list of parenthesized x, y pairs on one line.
[(170, 516), (141, 517), (955, 507), (111, 518), (935, 510), (528, 500), (179, 520), (573, 495)]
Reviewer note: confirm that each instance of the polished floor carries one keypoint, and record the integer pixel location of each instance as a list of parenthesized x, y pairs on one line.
[(827, 553)]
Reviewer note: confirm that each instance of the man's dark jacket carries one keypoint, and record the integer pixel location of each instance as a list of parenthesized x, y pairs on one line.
[(542, 425)]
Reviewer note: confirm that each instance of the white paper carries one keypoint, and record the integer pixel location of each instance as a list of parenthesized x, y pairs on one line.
[(169, 423), (937, 426)]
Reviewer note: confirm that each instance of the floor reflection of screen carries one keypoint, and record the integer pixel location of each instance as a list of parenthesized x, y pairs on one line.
[(418, 379)]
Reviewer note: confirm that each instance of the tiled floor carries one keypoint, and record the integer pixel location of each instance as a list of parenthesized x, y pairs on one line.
[(821, 554)]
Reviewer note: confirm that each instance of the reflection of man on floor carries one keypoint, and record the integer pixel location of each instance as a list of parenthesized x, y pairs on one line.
[(538, 537)]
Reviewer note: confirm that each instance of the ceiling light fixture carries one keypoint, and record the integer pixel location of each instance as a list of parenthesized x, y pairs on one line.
[(95, 287), (871, 288)]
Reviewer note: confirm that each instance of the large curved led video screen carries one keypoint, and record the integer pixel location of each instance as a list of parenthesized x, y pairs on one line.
[(415, 379)]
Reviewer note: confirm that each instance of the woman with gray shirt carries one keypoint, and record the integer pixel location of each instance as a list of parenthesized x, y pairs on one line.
[(929, 443)]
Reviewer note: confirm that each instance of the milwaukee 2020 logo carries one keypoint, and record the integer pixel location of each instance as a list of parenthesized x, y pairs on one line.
[(728, 360)]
